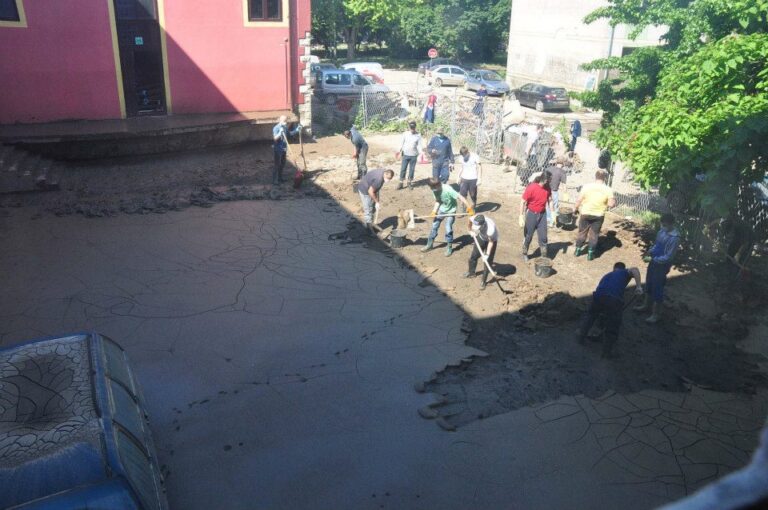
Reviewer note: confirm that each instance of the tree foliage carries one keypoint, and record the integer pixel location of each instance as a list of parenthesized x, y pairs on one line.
[(696, 104), (458, 28)]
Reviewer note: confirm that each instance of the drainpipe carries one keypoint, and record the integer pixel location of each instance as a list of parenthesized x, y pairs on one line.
[(286, 43), (610, 49)]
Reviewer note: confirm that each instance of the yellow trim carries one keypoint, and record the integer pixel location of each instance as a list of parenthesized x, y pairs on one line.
[(22, 23), (266, 24), (116, 54), (164, 48)]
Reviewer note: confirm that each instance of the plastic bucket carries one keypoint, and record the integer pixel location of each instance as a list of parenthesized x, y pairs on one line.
[(542, 267), (397, 239), (565, 216)]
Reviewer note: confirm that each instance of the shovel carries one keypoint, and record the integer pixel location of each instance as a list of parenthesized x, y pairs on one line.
[(495, 276), (412, 217)]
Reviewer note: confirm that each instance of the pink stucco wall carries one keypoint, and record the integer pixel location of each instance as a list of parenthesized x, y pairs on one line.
[(216, 64), (61, 66)]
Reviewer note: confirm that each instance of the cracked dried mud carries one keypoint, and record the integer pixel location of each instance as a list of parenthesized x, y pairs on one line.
[(279, 345)]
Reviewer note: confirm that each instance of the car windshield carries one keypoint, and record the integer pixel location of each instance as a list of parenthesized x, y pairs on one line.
[(491, 77)]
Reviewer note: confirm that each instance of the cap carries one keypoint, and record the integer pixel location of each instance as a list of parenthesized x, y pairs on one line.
[(479, 220)]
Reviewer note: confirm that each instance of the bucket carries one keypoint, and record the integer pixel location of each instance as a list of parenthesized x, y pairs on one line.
[(565, 216), (397, 238), (542, 267)]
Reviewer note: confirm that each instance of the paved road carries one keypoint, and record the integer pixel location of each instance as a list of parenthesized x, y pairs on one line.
[(279, 368)]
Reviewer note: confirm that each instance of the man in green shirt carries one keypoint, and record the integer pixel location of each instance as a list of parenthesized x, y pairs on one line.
[(446, 201)]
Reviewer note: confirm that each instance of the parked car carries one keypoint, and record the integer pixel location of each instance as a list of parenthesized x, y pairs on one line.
[(75, 432), (494, 84), (371, 70), (332, 83), (542, 97), (446, 75), (324, 65), (317, 66), (441, 61)]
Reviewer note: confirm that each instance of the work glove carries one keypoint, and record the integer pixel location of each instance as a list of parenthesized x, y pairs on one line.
[(521, 221), (639, 290), (647, 259), (470, 211), (433, 215)]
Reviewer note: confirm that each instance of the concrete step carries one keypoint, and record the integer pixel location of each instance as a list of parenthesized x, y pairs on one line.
[(22, 172)]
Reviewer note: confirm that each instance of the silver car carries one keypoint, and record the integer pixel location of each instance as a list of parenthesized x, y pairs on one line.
[(494, 84), (446, 75), (332, 83)]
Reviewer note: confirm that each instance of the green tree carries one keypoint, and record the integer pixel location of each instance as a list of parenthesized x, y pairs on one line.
[(696, 104)]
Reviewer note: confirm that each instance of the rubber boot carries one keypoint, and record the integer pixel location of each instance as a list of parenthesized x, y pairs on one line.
[(471, 270), (400, 185), (578, 251), (429, 244), (655, 314), (448, 249), (590, 254), (544, 251)]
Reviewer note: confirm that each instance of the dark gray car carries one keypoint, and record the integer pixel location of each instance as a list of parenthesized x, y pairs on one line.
[(542, 97)]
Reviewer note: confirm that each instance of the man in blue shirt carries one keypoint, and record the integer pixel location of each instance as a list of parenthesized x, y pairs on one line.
[(361, 150), (280, 146), (608, 304), (441, 152), (659, 263), (575, 134)]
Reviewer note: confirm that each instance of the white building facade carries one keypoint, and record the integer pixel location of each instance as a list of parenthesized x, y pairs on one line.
[(549, 41)]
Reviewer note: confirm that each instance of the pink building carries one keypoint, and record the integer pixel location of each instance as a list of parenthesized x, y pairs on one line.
[(112, 59)]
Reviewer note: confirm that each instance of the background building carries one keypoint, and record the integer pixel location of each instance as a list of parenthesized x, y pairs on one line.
[(112, 59), (548, 41)]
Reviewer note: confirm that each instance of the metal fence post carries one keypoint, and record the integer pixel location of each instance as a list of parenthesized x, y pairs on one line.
[(364, 106), (453, 116)]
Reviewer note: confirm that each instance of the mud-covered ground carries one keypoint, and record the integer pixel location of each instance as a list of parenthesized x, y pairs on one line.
[(526, 324)]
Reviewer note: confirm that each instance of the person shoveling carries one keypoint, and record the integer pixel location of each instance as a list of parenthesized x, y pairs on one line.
[(446, 201), (369, 189), (486, 237)]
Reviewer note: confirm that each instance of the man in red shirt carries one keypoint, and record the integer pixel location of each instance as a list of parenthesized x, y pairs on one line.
[(533, 213)]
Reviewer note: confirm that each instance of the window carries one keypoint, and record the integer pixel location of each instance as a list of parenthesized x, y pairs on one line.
[(332, 79), (527, 88), (458, 71), (444, 70), (9, 11), (360, 80), (265, 10), (345, 79)]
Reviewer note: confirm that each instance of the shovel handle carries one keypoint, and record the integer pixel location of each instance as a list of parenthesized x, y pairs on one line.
[(482, 256)]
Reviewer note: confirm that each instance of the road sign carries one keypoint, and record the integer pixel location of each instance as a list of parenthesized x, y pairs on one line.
[(432, 53)]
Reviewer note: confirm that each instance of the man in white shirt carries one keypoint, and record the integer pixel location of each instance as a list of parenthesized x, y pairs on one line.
[(484, 230), (470, 175), (410, 148)]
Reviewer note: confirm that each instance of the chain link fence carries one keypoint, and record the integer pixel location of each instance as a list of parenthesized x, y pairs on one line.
[(478, 125)]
